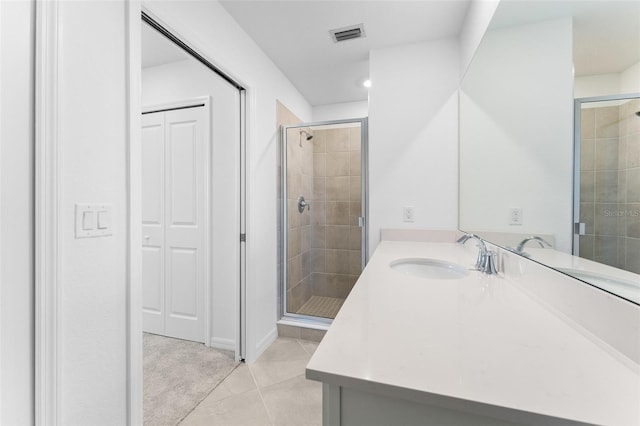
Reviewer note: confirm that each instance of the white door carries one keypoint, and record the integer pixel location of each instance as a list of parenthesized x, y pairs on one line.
[(174, 222)]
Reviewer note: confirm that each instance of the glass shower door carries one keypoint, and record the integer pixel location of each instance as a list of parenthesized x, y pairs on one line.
[(323, 216), (607, 195)]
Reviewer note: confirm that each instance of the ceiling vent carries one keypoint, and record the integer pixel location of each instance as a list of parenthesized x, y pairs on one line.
[(347, 33)]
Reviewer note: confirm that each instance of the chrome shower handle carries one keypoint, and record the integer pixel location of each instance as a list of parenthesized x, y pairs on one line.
[(302, 204)]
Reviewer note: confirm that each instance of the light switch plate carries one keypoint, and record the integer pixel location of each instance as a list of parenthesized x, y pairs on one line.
[(93, 220)]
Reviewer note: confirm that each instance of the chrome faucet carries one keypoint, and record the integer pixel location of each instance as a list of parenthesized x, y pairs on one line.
[(482, 247), (540, 241), (489, 264), (485, 262)]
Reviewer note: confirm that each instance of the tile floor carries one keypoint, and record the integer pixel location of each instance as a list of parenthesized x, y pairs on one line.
[(272, 391)]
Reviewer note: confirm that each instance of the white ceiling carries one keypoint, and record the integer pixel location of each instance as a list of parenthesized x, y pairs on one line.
[(295, 35)]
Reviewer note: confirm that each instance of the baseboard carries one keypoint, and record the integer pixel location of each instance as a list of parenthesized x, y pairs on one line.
[(265, 342), (224, 344)]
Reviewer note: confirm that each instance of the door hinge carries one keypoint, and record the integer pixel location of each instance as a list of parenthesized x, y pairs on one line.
[(579, 228), (361, 221), (243, 238)]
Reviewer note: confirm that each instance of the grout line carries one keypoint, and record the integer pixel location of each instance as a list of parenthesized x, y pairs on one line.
[(209, 393), (264, 404), (304, 349)]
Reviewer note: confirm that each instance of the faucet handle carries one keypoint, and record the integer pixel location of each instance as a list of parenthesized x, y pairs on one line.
[(302, 203)]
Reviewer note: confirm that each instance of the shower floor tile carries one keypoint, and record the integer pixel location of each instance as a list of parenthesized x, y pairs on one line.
[(320, 306)]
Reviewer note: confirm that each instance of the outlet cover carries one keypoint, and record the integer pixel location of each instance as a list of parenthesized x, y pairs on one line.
[(408, 214), (515, 216)]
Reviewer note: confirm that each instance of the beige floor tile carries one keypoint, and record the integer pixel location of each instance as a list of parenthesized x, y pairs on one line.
[(239, 381), (244, 409), (283, 360), (308, 346), (285, 396), (295, 402)]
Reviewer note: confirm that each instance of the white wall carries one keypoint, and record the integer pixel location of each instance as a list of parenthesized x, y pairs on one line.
[(210, 29), (625, 82), (474, 27), (596, 85), (16, 213), (92, 129), (340, 111), (189, 79), (413, 136), (516, 132), (630, 79)]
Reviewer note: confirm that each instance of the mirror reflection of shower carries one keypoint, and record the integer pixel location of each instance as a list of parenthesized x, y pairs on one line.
[(609, 204)]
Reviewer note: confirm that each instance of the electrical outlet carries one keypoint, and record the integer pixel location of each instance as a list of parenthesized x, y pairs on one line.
[(408, 214), (515, 216)]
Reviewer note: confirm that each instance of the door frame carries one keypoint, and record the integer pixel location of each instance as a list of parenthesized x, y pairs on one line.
[(47, 221), (291, 318), (199, 102), (577, 136), (47, 210), (135, 16)]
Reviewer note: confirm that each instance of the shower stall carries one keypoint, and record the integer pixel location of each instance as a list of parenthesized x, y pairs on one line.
[(607, 179), (323, 211)]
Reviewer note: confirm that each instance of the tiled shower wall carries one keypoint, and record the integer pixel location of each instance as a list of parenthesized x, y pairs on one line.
[(294, 232), (299, 182), (610, 185), (336, 240), (324, 241)]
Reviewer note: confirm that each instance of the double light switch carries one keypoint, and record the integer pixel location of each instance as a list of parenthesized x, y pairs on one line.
[(93, 220)]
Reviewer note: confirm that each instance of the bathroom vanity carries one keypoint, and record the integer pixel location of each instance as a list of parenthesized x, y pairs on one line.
[(412, 348)]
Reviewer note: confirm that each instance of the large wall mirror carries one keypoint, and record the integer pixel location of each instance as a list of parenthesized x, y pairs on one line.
[(550, 138)]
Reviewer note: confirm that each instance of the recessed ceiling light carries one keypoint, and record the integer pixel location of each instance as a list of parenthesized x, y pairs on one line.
[(367, 83)]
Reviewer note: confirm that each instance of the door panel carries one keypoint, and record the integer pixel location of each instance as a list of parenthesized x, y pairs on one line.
[(185, 230), (152, 218), (185, 173), (152, 290), (152, 264), (152, 169), (174, 162), (183, 282)]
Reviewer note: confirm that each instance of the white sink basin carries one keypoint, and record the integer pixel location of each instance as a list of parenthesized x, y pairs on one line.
[(620, 286), (429, 268)]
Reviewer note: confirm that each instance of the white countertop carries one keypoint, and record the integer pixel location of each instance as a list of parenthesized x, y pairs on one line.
[(477, 339)]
